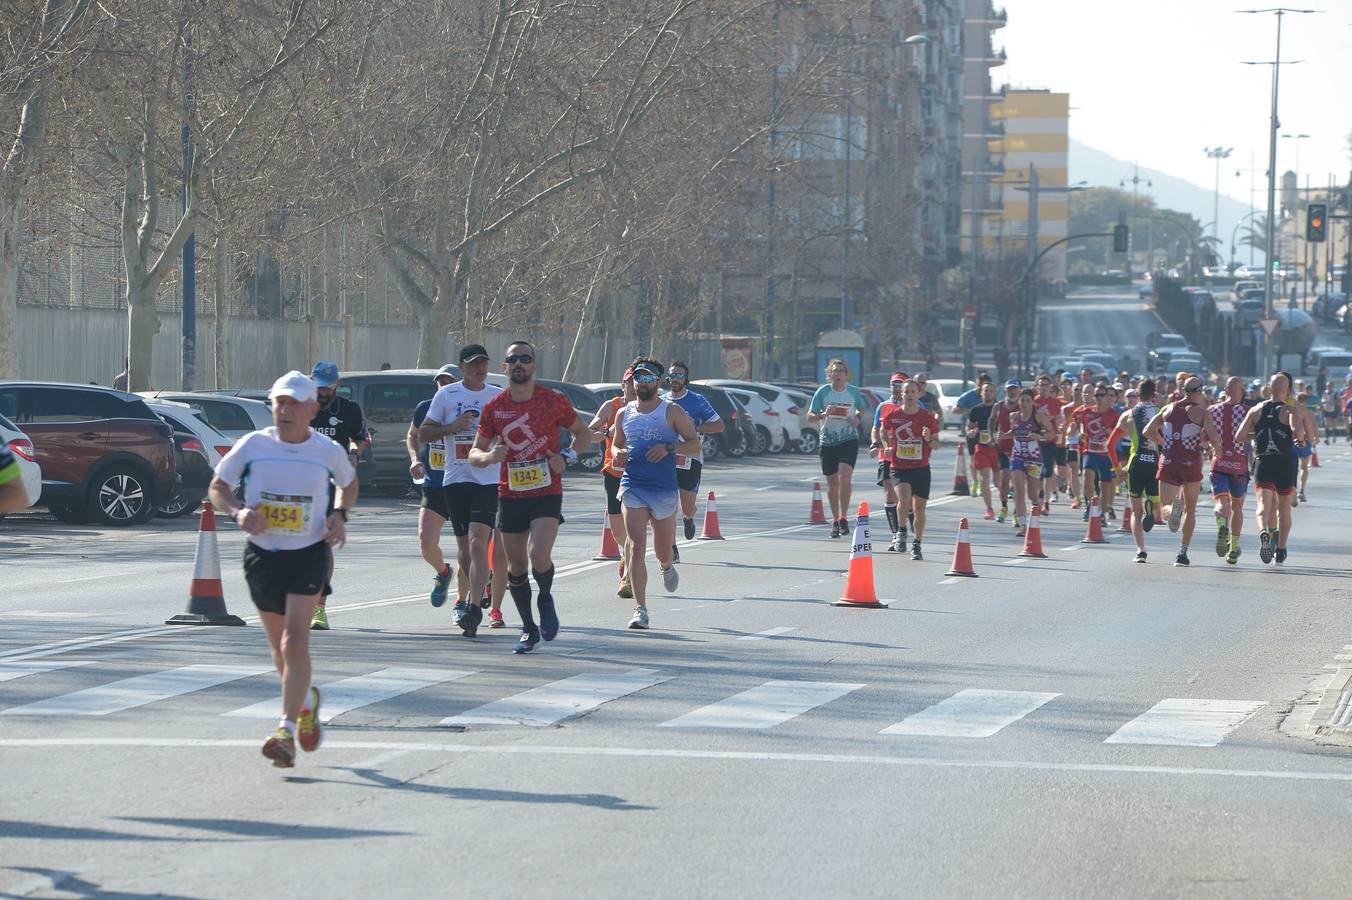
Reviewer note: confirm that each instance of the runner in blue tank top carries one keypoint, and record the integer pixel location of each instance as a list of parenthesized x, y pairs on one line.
[(651, 433)]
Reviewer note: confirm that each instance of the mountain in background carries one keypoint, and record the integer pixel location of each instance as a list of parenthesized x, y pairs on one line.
[(1102, 170)]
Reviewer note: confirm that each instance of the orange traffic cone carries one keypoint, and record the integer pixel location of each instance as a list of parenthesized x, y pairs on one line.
[(609, 549), (859, 590), (1126, 517), (1032, 540), (1314, 458), (206, 596), (816, 515), (1095, 533), (960, 486), (711, 532), (962, 553)]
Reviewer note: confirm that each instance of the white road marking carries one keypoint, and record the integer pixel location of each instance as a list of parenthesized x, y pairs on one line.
[(768, 633), (12, 670), (1072, 547), (343, 696), (136, 691), (768, 487), (45, 613), (950, 581), (559, 700), (1017, 561), (1186, 723), (971, 713), (250, 747), (764, 706)]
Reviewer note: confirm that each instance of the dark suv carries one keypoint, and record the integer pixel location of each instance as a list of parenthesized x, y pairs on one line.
[(387, 399), (104, 454)]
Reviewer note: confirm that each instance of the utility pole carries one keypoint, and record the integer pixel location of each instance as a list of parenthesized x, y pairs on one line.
[(1136, 181), (771, 212), (1031, 284), (189, 314), (1218, 154), (848, 222)]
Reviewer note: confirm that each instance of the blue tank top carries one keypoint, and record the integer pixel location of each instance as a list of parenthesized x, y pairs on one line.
[(643, 431)]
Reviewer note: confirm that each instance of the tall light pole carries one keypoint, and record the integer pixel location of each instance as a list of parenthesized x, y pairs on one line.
[(1301, 252), (1274, 125), (1136, 181), (1218, 154)]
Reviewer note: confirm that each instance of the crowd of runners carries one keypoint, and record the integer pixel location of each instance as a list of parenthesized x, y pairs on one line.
[(491, 460)]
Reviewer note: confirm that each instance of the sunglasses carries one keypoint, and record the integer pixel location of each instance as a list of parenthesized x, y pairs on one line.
[(644, 377), (678, 375), (1100, 393), (520, 358)]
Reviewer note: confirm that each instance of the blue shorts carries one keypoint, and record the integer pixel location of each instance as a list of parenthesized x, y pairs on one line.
[(661, 504), (1303, 452), (1099, 463), (1234, 485), (1027, 466)]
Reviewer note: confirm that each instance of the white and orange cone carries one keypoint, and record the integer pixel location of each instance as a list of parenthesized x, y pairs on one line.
[(859, 591), (1094, 534), (206, 595), (1032, 539), (817, 514), (962, 553), (711, 532)]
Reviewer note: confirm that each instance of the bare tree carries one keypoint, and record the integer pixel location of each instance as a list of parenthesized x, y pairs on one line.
[(38, 48)]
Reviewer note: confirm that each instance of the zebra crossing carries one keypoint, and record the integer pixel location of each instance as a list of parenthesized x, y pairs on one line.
[(968, 714)]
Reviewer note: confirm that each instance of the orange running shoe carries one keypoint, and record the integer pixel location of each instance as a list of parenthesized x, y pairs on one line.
[(990, 514), (309, 733), (281, 749)]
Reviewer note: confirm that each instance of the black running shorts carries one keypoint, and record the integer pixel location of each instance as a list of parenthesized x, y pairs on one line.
[(837, 455), (469, 502), (516, 513), (272, 574), (918, 479)]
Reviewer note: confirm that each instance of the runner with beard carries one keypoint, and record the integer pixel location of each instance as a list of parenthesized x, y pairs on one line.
[(340, 419), (1275, 430), (519, 433), (882, 451), (1004, 412), (986, 457), (603, 426), (1180, 428), (1229, 469), (689, 467)]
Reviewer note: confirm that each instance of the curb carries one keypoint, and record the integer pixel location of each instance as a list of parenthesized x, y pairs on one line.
[(1332, 718)]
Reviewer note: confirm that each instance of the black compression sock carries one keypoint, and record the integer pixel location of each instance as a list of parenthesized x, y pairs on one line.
[(892, 518), (544, 580), (519, 586)]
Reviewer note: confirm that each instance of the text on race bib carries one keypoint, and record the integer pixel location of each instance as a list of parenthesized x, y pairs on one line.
[(436, 455), (528, 475), (1097, 446), (909, 450), (682, 461), (463, 444), (285, 513), (983, 437)]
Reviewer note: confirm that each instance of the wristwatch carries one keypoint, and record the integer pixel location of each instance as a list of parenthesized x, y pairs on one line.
[(341, 511), (671, 448)]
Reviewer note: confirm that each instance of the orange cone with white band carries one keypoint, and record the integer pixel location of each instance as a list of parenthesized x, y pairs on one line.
[(1314, 457), (1126, 517), (1032, 539), (962, 553), (711, 532), (206, 596), (816, 515), (960, 486), (1094, 535), (859, 590), (609, 549)]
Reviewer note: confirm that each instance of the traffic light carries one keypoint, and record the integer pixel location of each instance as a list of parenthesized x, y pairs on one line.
[(1276, 265), (1120, 238), (1316, 222)]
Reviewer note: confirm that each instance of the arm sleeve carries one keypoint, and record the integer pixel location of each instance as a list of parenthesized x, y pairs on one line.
[(878, 416)]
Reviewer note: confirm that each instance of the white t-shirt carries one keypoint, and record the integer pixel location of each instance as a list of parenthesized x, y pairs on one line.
[(447, 405), (287, 483)]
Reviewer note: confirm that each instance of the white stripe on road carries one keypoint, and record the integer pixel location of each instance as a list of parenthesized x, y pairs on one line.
[(12, 670), (768, 633), (971, 714), (768, 487), (1017, 561), (361, 690), (559, 700), (765, 706), (1186, 723), (137, 691)]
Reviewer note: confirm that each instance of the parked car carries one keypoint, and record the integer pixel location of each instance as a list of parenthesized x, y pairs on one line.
[(1325, 306), (606, 390), (732, 440), (1339, 362), (259, 394), (809, 440), (947, 391), (387, 400), (1155, 343), (198, 448), (30, 473), (1249, 309), (232, 416), (1146, 291), (746, 426), (1099, 358), (763, 416), (786, 412), (1183, 361), (104, 454)]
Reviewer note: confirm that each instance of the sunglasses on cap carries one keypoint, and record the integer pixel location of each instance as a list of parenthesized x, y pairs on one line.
[(643, 376), (520, 358)]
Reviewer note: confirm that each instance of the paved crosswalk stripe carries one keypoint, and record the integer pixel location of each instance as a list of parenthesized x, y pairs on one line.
[(1186, 723), (768, 633), (766, 706), (11, 670), (559, 700), (362, 690), (971, 713), (136, 691)]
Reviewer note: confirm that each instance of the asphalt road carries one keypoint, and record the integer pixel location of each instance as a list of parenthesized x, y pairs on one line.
[(1075, 726)]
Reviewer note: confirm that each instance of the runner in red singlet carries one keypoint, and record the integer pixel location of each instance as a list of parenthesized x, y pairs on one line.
[(912, 431), (881, 450), (1179, 429), (1095, 424), (1048, 402), (1229, 469)]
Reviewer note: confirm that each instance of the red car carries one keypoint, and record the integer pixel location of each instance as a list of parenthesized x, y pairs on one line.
[(104, 455)]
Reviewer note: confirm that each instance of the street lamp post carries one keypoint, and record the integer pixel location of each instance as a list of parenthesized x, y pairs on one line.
[(1273, 126), (1301, 251), (1218, 154), (1136, 181)]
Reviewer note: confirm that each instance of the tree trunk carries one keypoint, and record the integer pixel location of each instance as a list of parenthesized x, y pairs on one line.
[(434, 322), (222, 343), (9, 288), (142, 326)]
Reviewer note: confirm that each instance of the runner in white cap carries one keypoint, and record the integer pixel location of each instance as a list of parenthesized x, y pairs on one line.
[(286, 472)]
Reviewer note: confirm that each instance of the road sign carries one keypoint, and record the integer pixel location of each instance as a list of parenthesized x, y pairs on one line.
[(969, 313), (1269, 325)]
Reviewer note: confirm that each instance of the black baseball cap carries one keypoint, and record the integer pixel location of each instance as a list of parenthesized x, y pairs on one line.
[(471, 352)]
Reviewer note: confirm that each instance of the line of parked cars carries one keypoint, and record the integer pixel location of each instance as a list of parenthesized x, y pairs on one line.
[(94, 454)]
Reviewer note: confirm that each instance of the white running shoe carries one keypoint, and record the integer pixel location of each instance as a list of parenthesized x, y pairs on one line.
[(670, 579), (640, 620)]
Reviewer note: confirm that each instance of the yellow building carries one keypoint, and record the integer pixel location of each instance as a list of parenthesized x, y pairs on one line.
[(1036, 134)]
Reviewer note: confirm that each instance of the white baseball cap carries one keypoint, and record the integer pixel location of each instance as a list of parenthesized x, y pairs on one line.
[(295, 385)]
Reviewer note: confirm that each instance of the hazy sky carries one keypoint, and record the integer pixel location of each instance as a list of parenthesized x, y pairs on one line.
[(1156, 81)]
